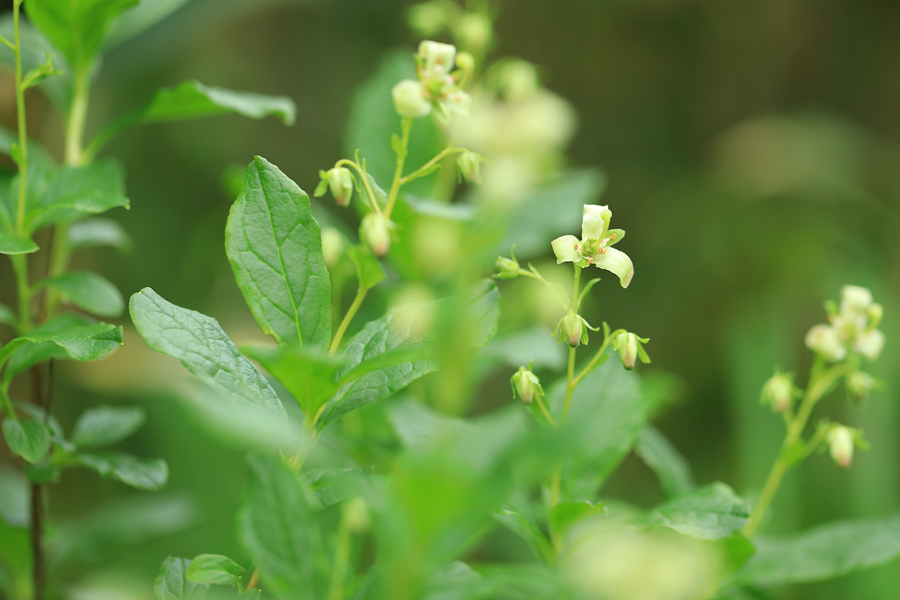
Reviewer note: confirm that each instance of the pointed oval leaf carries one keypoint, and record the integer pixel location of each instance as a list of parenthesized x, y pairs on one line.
[(106, 425), (89, 291), (27, 438), (149, 474), (275, 248), (214, 569), (203, 348), (714, 512), (172, 583), (98, 232), (659, 454)]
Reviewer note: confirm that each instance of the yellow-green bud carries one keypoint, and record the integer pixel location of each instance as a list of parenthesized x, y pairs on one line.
[(824, 341), (409, 99), (574, 328), (628, 349), (333, 244), (475, 31), (840, 444), (340, 182), (427, 18), (507, 268), (859, 384), (779, 392), (469, 165), (375, 232), (356, 515), (526, 385)]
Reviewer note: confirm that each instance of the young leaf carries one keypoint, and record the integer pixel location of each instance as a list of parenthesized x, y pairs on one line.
[(368, 269), (713, 512), (89, 291), (78, 28), (106, 425), (214, 569), (34, 48), (98, 232), (203, 348), (659, 454), (275, 248), (27, 438), (7, 316), (823, 552), (10, 243), (566, 514), (331, 486), (191, 100), (278, 529), (132, 471), (528, 531), (141, 17), (172, 583)]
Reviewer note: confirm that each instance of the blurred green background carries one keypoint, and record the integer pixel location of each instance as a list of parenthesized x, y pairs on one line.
[(752, 154)]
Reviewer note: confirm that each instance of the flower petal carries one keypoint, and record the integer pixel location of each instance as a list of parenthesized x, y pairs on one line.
[(616, 261), (593, 224), (869, 344), (566, 249)]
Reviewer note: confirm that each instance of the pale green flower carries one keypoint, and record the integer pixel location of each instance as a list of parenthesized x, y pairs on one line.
[(595, 246)]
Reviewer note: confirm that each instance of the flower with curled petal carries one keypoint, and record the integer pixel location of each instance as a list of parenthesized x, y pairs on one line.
[(595, 246)]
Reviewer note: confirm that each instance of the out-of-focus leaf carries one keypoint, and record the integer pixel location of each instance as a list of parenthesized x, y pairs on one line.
[(98, 232), (13, 244), (455, 212), (138, 473), (141, 17), (520, 348), (331, 486), (214, 569), (275, 248), (203, 348), (13, 498), (34, 48), (565, 514), (27, 438), (278, 529), (7, 316), (368, 269), (713, 512), (659, 454), (78, 28), (89, 291), (528, 531), (105, 425), (172, 583), (823, 552)]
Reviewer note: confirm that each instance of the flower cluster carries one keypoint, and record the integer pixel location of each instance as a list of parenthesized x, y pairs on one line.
[(595, 246), (851, 326), (437, 83)]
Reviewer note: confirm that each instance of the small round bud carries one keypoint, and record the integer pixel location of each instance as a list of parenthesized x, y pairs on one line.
[(475, 31), (869, 344), (574, 329), (840, 444), (859, 384), (507, 268), (875, 312), (824, 341), (855, 300), (340, 182), (526, 385), (409, 99), (465, 62), (519, 79), (779, 392), (427, 18), (628, 349), (333, 245), (469, 166), (355, 514), (438, 58), (375, 232)]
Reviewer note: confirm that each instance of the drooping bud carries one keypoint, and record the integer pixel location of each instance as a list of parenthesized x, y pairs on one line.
[(778, 392), (859, 385), (573, 327), (340, 182), (627, 345), (840, 444), (824, 341), (355, 515), (409, 99), (469, 166), (333, 244), (375, 232), (526, 386), (507, 268)]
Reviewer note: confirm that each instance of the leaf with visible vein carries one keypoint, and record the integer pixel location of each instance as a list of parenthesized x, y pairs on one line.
[(713, 512), (172, 583)]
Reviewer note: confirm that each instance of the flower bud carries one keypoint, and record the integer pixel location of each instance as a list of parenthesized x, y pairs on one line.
[(526, 385), (874, 313), (507, 268), (869, 344), (375, 232), (457, 102), (778, 392), (519, 79), (475, 31), (855, 300), (340, 182), (628, 349), (840, 444), (333, 244), (824, 341), (469, 166), (465, 62), (859, 384), (438, 58), (427, 18), (355, 514), (574, 329), (409, 99)]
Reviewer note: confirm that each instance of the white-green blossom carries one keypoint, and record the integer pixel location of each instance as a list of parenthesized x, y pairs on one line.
[(852, 326), (595, 246)]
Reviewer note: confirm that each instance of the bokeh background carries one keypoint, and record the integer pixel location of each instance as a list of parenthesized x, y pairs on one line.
[(752, 152)]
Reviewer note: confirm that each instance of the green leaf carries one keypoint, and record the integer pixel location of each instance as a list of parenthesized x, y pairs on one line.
[(140, 18), (75, 192), (331, 486), (106, 425), (13, 244), (278, 528), (98, 231), (459, 211), (275, 248), (659, 454), (401, 330), (214, 569), (713, 512), (7, 316), (823, 552), (172, 583), (368, 269), (203, 348), (528, 531), (14, 498), (89, 291), (566, 514), (27, 438), (310, 377), (142, 474), (34, 48), (78, 28), (192, 100)]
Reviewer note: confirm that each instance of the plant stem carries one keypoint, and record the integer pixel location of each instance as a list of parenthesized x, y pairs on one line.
[(22, 125), (426, 168), (544, 410), (570, 371), (351, 312), (406, 124), (341, 559), (590, 366), (818, 386), (535, 275), (20, 266), (555, 484), (365, 182)]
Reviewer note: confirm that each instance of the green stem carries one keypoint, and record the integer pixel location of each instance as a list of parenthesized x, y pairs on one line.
[(818, 386), (570, 384), (426, 168), (405, 127), (22, 125), (590, 366), (341, 560), (76, 118), (535, 275), (351, 312), (365, 181), (544, 410), (20, 266), (555, 485)]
